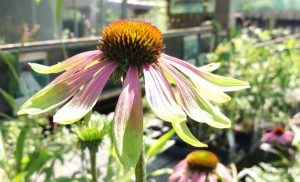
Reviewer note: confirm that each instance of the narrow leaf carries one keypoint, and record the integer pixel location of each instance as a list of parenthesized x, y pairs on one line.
[(157, 146), (20, 147)]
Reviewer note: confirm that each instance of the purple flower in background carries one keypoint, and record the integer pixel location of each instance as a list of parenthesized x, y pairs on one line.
[(278, 135), (200, 166)]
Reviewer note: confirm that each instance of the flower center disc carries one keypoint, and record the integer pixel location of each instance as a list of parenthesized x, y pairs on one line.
[(202, 159), (131, 42), (278, 130)]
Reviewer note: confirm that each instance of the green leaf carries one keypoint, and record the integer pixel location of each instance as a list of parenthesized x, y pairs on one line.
[(20, 147), (8, 59), (185, 134), (9, 99), (2, 150), (20, 177), (58, 8), (157, 146)]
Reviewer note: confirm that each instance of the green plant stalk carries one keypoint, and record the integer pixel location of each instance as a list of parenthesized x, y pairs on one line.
[(140, 169), (93, 163)]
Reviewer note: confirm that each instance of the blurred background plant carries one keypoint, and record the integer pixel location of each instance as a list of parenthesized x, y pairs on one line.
[(35, 149), (270, 65)]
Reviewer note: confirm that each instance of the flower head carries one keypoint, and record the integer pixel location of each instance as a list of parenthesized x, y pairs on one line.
[(199, 166), (132, 50), (278, 136)]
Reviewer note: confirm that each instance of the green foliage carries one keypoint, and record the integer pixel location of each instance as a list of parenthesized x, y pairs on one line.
[(31, 150), (271, 68)]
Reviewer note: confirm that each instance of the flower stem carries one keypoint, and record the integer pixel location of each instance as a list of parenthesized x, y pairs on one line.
[(93, 163), (140, 169)]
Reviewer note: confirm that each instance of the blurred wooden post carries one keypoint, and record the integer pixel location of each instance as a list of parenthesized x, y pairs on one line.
[(224, 13)]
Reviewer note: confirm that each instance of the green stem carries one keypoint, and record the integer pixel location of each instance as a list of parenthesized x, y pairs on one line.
[(140, 169), (93, 164)]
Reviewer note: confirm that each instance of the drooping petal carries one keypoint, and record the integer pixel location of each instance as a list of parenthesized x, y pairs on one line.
[(288, 136), (176, 175), (57, 94), (76, 69), (86, 98), (160, 97), (211, 86), (194, 104), (67, 64), (212, 177), (185, 134), (185, 177), (195, 177), (226, 84), (224, 172), (202, 177), (128, 120), (181, 165), (209, 67)]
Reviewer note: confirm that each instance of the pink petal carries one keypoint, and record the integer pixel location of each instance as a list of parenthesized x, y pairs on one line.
[(55, 95), (181, 165), (204, 87), (78, 68), (193, 104), (225, 84), (268, 137), (67, 64), (195, 177), (212, 178), (185, 177), (202, 177), (176, 174), (85, 100), (224, 172), (128, 120), (160, 96), (288, 135)]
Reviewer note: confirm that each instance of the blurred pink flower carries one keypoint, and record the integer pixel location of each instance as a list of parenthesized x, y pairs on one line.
[(200, 166), (278, 135)]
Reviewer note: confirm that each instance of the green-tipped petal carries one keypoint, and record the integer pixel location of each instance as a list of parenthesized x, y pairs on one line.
[(209, 67), (212, 90), (185, 134), (160, 96), (128, 120), (196, 106), (226, 84), (56, 94), (86, 98), (67, 64)]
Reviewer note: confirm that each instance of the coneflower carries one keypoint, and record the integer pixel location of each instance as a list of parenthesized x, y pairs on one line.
[(278, 135), (131, 50), (200, 166)]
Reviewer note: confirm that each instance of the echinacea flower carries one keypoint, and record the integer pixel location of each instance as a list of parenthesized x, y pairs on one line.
[(278, 136), (130, 50), (200, 166)]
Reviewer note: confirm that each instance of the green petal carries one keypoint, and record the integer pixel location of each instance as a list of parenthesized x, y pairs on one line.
[(82, 58), (226, 83), (128, 121), (219, 120), (185, 134), (48, 99), (209, 67)]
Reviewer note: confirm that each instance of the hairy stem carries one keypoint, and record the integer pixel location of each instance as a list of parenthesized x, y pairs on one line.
[(93, 164), (140, 169)]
